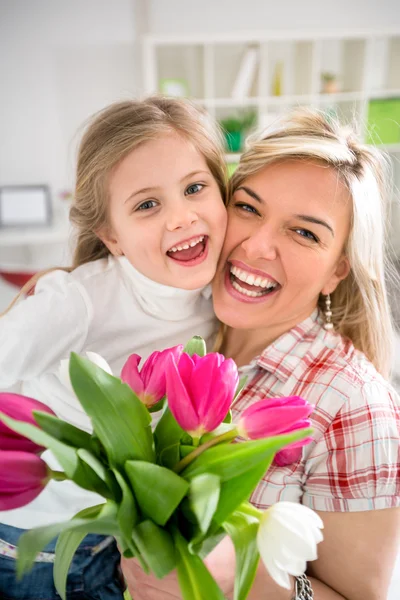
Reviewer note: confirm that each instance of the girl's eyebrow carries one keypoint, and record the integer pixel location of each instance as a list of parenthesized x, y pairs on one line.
[(307, 218)]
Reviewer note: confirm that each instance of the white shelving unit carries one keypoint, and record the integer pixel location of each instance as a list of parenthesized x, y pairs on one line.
[(366, 64)]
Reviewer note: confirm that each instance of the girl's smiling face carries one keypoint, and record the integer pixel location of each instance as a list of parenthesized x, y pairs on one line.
[(166, 213), (287, 229)]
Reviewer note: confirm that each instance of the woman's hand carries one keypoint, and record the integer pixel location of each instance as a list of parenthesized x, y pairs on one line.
[(220, 562)]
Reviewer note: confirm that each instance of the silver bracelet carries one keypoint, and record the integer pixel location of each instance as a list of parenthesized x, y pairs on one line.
[(303, 589)]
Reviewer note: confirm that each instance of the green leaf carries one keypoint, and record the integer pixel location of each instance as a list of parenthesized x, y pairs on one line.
[(242, 529), (62, 431), (185, 450), (120, 420), (167, 433), (237, 490), (99, 519), (128, 517), (228, 418), (66, 546), (98, 476), (170, 456), (156, 547), (158, 490), (195, 580), (196, 346), (157, 406), (231, 460), (241, 384), (127, 509), (203, 497)]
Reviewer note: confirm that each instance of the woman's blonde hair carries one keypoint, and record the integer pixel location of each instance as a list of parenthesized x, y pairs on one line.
[(360, 302), (110, 136)]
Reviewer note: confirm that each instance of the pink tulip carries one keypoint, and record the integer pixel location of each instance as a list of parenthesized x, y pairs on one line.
[(19, 408), (200, 391), (274, 416), (23, 476), (149, 383)]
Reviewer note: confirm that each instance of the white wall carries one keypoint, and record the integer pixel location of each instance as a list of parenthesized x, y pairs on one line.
[(186, 16), (59, 62)]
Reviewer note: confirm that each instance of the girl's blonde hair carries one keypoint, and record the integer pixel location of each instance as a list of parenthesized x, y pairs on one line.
[(110, 136), (360, 302)]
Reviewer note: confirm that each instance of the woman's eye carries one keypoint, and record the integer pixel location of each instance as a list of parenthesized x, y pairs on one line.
[(195, 188), (308, 235), (246, 207), (147, 205)]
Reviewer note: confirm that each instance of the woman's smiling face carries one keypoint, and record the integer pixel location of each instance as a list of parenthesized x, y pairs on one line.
[(287, 229)]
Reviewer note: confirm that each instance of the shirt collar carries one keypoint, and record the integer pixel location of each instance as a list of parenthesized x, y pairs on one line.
[(283, 356), (162, 301)]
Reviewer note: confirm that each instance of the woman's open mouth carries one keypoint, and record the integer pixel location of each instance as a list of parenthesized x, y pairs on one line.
[(248, 286), (190, 252)]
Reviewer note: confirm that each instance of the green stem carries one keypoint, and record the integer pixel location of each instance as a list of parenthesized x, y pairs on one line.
[(219, 439), (58, 475), (250, 510)]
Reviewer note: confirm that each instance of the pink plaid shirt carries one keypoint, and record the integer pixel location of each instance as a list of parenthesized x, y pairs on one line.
[(353, 464)]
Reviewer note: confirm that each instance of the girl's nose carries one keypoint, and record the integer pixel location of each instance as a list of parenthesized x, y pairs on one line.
[(180, 217), (260, 245)]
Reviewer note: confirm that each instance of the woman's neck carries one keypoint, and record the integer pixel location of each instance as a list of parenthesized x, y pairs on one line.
[(243, 345)]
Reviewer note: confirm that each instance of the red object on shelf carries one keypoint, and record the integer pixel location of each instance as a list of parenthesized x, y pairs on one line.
[(17, 278)]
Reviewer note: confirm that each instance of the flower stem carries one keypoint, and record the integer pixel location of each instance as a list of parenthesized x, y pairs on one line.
[(58, 475), (250, 510), (219, 439)]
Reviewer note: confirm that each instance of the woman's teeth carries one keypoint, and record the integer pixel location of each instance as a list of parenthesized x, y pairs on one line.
[(187, 245), (252, 280)]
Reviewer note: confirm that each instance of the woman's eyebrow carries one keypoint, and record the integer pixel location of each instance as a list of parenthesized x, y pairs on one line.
[(250, 193), (310, 219)]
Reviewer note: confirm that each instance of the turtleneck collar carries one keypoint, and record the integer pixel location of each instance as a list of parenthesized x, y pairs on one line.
[(161, 301)]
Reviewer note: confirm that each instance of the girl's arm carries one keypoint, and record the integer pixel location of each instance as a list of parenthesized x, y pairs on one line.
[(42, 329)]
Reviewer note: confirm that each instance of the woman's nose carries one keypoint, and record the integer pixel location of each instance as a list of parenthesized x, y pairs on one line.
[(260, 244), (181, 216)]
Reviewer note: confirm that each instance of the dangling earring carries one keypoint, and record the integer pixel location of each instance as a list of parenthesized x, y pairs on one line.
[(328, 325)]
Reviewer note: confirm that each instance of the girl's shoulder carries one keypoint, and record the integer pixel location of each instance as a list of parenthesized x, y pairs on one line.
[(60, 280)]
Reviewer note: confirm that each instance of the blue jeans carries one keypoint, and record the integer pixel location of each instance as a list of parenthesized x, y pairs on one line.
[(94, 573)]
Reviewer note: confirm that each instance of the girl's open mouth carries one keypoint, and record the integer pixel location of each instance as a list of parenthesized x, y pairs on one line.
[(190, 253)]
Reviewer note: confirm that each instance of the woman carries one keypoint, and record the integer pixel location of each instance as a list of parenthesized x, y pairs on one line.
[(300, 288)]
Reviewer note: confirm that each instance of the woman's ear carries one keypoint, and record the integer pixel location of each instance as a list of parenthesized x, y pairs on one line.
[(108, 238), (341, 271)]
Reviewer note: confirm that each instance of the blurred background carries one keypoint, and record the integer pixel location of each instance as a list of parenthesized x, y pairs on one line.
[(244, 62)]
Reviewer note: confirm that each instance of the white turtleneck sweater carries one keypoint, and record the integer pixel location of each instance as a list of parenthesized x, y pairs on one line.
[(107, 307)]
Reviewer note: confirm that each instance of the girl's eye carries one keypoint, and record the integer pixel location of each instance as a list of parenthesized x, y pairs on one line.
[(246, 208), (147, 205), (195, 188), (308, 235)]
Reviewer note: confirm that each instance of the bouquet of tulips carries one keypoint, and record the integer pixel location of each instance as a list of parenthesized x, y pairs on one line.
[(172, 493)]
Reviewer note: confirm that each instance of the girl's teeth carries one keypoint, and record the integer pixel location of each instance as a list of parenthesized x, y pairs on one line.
[(187, 246)]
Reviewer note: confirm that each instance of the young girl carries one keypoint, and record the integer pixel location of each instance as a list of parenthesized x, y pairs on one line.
[(150, 219)]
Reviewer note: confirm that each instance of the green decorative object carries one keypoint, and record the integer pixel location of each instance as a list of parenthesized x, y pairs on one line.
[(233, 140), (236, 127), (384, 121)]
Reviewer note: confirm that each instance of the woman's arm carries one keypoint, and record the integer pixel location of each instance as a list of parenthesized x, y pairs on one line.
[(358, 553)]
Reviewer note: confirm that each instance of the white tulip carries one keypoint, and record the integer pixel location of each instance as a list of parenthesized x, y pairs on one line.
[(287, 539), (95, 358)]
